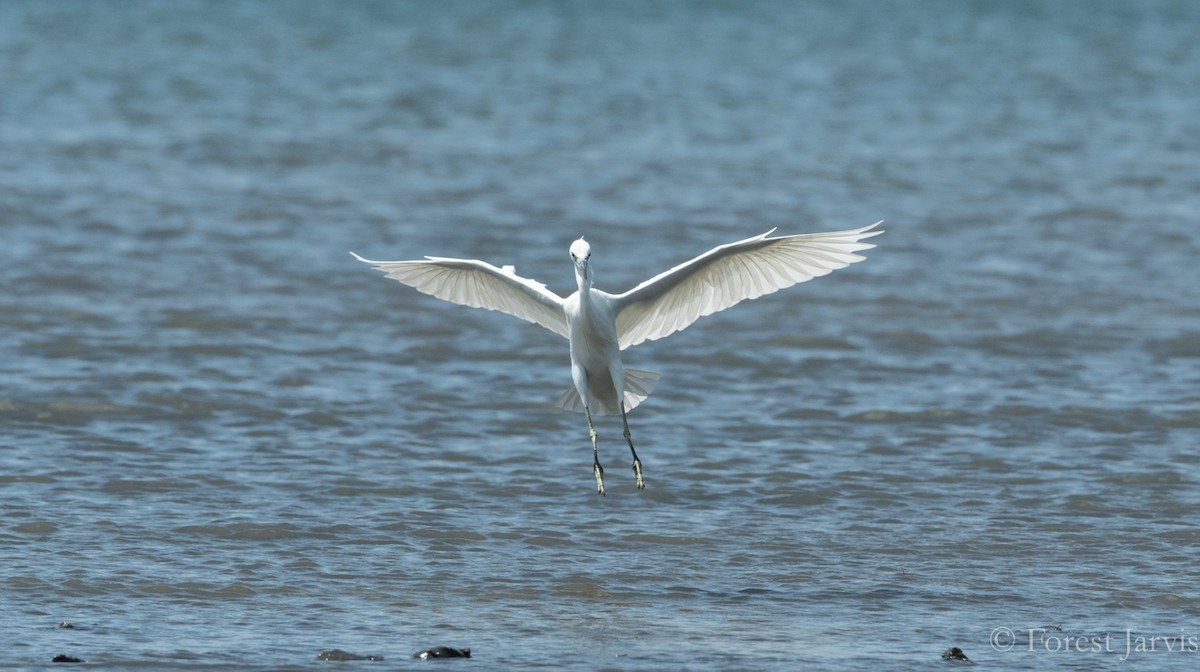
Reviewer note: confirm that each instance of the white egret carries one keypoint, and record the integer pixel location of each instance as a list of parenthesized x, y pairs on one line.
[(600, 325)]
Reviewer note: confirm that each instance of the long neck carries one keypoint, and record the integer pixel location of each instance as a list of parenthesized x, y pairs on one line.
[(584, 281)]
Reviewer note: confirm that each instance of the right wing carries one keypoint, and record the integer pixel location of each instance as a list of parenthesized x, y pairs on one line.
[(478, 284), (729, 274)]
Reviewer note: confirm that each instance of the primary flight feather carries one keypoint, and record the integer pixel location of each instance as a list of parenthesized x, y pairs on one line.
[(600, 325)]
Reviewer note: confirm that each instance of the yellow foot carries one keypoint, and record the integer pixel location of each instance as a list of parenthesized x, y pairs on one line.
[(599, 472), (637, 472)]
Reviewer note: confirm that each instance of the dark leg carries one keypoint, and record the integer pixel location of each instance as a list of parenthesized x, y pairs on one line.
[(637, 464), (597, 470)]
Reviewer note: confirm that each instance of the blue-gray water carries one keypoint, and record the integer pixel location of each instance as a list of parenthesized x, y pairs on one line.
[(226, 445)]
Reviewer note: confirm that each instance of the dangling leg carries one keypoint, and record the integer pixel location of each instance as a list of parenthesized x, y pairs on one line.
[(637, 464), (596, 468)]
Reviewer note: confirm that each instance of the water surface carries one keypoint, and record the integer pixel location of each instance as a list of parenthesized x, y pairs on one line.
[(226, 445)]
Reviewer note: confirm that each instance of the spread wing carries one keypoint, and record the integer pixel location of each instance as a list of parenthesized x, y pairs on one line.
[(729, 274), (478, 284)]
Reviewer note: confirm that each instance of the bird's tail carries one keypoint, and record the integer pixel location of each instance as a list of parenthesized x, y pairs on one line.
[(638, 386)]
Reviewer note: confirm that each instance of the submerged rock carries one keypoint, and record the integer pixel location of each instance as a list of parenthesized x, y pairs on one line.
[(442, 652), (64, 658), (955, 653), (338, 654), (66, 626)]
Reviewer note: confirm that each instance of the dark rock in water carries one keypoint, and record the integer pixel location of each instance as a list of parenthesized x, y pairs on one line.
[(66, 626), (955, 653), (64, 658), (442, 652), (338, 654)]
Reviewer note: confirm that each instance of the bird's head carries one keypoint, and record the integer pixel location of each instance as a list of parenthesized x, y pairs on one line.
[(581, 254)]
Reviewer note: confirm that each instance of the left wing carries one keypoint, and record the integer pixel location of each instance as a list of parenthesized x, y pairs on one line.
[(478, 284)]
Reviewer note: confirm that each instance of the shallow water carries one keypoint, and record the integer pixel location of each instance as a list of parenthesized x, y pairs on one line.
[(224, 444)]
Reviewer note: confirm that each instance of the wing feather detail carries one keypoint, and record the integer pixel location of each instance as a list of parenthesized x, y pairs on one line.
[(478, 284), (729, 274)]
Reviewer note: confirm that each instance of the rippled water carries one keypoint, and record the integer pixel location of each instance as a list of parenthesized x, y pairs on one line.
[(226, 445)]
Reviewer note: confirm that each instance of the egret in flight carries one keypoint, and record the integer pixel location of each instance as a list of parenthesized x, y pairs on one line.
[(600, 325)]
